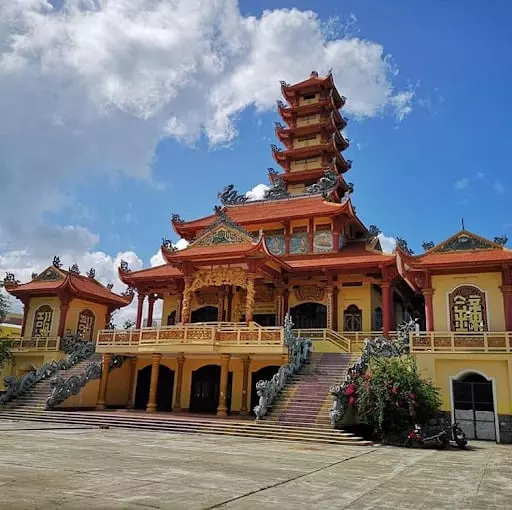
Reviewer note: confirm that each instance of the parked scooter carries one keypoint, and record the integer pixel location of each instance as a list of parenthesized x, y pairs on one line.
[(441, 440)]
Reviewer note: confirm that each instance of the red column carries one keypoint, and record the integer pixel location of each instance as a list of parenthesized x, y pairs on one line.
[(151, 306), (310, 235), (429, 309), (26, 309), (140, 305), (507, 293), (62, 320), (387, 308)]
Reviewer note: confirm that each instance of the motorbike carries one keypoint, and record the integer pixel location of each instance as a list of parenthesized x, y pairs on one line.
[(441, 440)]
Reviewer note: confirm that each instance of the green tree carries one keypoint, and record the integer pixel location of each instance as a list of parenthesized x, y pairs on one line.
[(391, 396)]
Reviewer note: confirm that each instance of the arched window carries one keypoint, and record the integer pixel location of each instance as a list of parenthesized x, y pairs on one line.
[(171, 318), (43, 321), (353, 319), (377, 319), (468, 309), (85, 326)]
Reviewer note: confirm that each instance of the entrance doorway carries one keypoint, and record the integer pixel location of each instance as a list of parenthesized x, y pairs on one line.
[(164, 390), (263, 374), (309, 315), (265, 319), (205, 314), (205, 390), (473, 406)]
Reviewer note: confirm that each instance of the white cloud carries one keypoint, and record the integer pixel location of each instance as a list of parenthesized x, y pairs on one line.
[(498, 187), (157, 259), (181, 244), (388, 244), (403, 104), (97, 85), (257, 193), (462, 183)]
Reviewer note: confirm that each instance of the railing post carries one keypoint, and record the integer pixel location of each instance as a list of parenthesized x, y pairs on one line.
[(486, 342)]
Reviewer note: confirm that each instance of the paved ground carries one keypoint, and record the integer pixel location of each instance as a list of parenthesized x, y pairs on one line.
[(45, 467)]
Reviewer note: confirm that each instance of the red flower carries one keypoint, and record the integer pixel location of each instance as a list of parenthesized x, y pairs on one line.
[(351, 389), (394, 390), (351, 401), (412, 396)]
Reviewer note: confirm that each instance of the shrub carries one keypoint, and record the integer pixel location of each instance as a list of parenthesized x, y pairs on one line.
[(391, 396)]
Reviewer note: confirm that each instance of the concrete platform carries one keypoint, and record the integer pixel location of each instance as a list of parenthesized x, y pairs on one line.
[(42, 467)]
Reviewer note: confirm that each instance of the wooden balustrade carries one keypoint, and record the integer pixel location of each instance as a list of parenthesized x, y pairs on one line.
[(438, 341), (51, 343), (209, 337)]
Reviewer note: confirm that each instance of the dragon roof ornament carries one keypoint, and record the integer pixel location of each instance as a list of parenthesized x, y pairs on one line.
[(229, 196)]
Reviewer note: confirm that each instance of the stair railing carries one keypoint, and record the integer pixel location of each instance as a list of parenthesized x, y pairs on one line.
[(299, 350), (62, 388), (77, 351)]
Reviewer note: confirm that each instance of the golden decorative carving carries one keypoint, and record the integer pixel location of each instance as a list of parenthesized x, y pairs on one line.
[(187, 298), (249, 299), (309, 293), (219, 276), (264, 294), (208, 298), (468, 310)]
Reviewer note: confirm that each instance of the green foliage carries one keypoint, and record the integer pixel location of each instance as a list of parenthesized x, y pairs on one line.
[(391, 396), (4, 307)]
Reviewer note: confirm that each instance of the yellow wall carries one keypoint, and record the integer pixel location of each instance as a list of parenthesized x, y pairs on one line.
[(9, 331), (170, 305), (440, 367), (359, 296), (77, 306), (34, 304), (489, 282)]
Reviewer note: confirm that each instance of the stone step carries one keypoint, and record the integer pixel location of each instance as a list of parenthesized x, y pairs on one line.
[(260, 429)]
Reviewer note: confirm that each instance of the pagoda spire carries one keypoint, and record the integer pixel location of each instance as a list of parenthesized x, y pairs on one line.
[(312, 136)]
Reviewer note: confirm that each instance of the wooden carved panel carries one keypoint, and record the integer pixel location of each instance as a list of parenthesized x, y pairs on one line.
[(468, 309), (207, 298), (309, 293), (85, 326), (43, 321)]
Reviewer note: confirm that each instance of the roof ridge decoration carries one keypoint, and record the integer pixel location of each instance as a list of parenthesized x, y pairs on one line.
[(327, 183), (465, 240), (223, 230), (277, 187), (229, 196), (50, 274)]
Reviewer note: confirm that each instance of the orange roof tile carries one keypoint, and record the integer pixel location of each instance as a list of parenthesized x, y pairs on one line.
[(270, 210), (461, 257), (79, 285), (163, 272)]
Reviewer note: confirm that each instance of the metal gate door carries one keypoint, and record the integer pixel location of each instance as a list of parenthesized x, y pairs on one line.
[(474, 407)]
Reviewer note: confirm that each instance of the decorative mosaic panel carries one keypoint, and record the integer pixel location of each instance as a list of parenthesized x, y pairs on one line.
[(85, 326), (468, 309), (276, 245), (309, 293), (299, 243), (322, 241), (43, 321)]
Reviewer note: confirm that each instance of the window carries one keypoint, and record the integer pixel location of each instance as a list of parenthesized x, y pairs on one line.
[(43, 321), (307, 97), (353, 319), (306, 138), (377, 319), (468, 309), (85, 326)]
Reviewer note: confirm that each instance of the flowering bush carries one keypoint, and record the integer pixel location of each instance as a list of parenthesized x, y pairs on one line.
[(390, 396)]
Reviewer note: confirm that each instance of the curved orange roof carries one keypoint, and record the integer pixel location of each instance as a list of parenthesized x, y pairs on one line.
[(254, 213), (75, 284), (163, 272)]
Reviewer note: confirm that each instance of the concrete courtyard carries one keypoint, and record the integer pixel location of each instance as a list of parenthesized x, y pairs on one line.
[(50, 467)]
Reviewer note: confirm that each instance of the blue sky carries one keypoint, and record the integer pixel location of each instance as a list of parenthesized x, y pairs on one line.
[(415, 178)]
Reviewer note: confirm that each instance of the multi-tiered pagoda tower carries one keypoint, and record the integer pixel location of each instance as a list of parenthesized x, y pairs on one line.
[(312, 135)]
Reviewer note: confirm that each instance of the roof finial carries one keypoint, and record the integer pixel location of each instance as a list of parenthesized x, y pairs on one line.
[(463, 224)]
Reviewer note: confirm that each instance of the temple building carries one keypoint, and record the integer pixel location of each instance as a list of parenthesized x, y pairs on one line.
[(301, 250)]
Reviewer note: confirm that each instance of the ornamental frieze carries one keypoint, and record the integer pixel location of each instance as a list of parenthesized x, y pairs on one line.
[(299, 243), (221, 236), (309, 293), (264, 294), (464, 242), (276, 244), (323, 241), (208, 298), (219, 276), (468, 309)]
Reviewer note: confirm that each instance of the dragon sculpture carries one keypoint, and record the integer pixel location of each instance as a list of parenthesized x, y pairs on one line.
[(325, 184), (229, 196)]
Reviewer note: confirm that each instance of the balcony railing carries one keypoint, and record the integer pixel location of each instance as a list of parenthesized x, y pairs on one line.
[(51, 343), (206, 337), (437, 341)]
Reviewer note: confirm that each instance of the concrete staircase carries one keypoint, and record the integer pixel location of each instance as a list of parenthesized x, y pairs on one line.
[(305, 404), (306, 400), (35, 398)]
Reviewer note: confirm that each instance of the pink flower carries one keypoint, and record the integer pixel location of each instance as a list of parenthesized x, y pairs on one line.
[(351, 401), (394, 390), (351, 389), (412, 396)]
